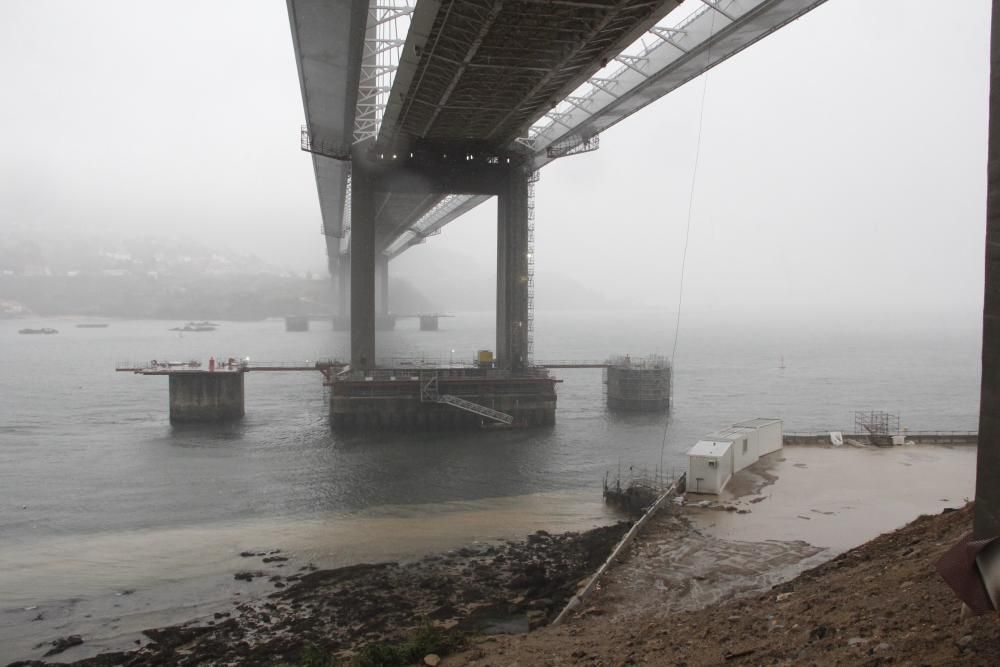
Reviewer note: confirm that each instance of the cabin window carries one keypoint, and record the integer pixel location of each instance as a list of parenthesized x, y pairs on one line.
[(711, 464), (744, 445)]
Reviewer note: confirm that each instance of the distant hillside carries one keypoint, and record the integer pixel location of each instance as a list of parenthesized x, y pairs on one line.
[(235, 297), (35, 253)]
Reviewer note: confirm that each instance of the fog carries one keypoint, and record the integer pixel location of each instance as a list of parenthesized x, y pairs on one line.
[(841, 169)]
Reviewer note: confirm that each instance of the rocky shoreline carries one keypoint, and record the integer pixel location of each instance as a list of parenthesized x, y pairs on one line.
[(508, 587)]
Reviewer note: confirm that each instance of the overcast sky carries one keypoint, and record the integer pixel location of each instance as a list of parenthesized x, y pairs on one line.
[(842, 166)]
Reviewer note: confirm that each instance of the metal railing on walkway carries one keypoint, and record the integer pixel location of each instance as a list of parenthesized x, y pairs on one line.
[(476, 408), (429, 393)]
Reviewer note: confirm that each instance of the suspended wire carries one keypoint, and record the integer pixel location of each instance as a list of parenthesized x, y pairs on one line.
[(687, 232)]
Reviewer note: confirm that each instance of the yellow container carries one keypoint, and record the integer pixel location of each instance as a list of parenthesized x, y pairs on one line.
[(484, 356)]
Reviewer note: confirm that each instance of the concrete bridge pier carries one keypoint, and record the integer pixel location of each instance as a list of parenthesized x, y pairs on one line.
[(382, 285), (342, 318), (512, 269), (362, 266), (432, 171), (200, 396), (384, 320)]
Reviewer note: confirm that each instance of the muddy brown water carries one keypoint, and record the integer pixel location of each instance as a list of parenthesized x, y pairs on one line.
[(111, 520)]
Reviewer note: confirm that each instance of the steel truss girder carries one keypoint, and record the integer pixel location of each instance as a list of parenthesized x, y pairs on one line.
[(379, 63), (682, 52), (471, 42), (652, 74)]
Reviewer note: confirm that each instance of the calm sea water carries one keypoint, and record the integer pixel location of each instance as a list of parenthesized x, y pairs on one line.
[(99, 494)]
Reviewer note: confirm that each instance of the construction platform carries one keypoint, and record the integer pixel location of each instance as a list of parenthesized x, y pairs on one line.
[(441, 398), (404, 394), (215, 393)]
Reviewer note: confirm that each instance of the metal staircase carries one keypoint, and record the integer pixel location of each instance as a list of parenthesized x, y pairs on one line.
[(476, 408), (429, 393)]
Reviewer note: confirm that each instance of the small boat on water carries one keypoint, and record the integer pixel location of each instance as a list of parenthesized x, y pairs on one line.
[(92, 325), (43, 330), (196, 326)]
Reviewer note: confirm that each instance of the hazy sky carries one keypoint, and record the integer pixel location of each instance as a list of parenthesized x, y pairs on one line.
[(842, 167)]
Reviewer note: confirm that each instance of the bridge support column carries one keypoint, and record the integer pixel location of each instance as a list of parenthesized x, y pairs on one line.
[(362, 268), (382, 285), (342, 315), (512, 270), (344, 288), (384, 320), (987, 512)]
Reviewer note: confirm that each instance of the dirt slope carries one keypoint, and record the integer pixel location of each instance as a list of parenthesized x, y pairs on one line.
[(881, 603)]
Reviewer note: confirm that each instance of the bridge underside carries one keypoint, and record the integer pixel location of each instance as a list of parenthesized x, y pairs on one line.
[(483, 70), (473, 76), (465, 118)]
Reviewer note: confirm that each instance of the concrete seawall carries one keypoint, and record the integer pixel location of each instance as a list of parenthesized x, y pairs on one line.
[(918, 437)]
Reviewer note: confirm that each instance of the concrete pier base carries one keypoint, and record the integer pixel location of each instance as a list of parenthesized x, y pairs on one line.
[(392, 399), (205, 396), (638, 385)]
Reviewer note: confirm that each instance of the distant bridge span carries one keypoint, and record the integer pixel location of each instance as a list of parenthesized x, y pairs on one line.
[(417, 113)]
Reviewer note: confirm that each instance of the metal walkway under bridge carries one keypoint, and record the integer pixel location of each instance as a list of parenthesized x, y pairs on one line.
[(429, 393)]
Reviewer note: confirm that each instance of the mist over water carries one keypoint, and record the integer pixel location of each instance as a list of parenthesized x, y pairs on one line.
[(101, 493)]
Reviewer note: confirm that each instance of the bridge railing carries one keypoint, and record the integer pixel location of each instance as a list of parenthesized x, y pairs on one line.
[(443, 374), (308, 363), (571, 362)]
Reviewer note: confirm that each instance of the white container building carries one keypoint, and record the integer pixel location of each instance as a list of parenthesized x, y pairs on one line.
[(718, 456), (710, 466), (770, 434), (744, 445)]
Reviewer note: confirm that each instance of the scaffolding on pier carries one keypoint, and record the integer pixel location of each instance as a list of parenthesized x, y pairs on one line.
[(532, 179), (641, 385), (880, 426)]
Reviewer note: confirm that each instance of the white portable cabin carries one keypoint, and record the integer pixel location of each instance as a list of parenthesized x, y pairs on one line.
[(770, 433), (710, 466), (744, 445)]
